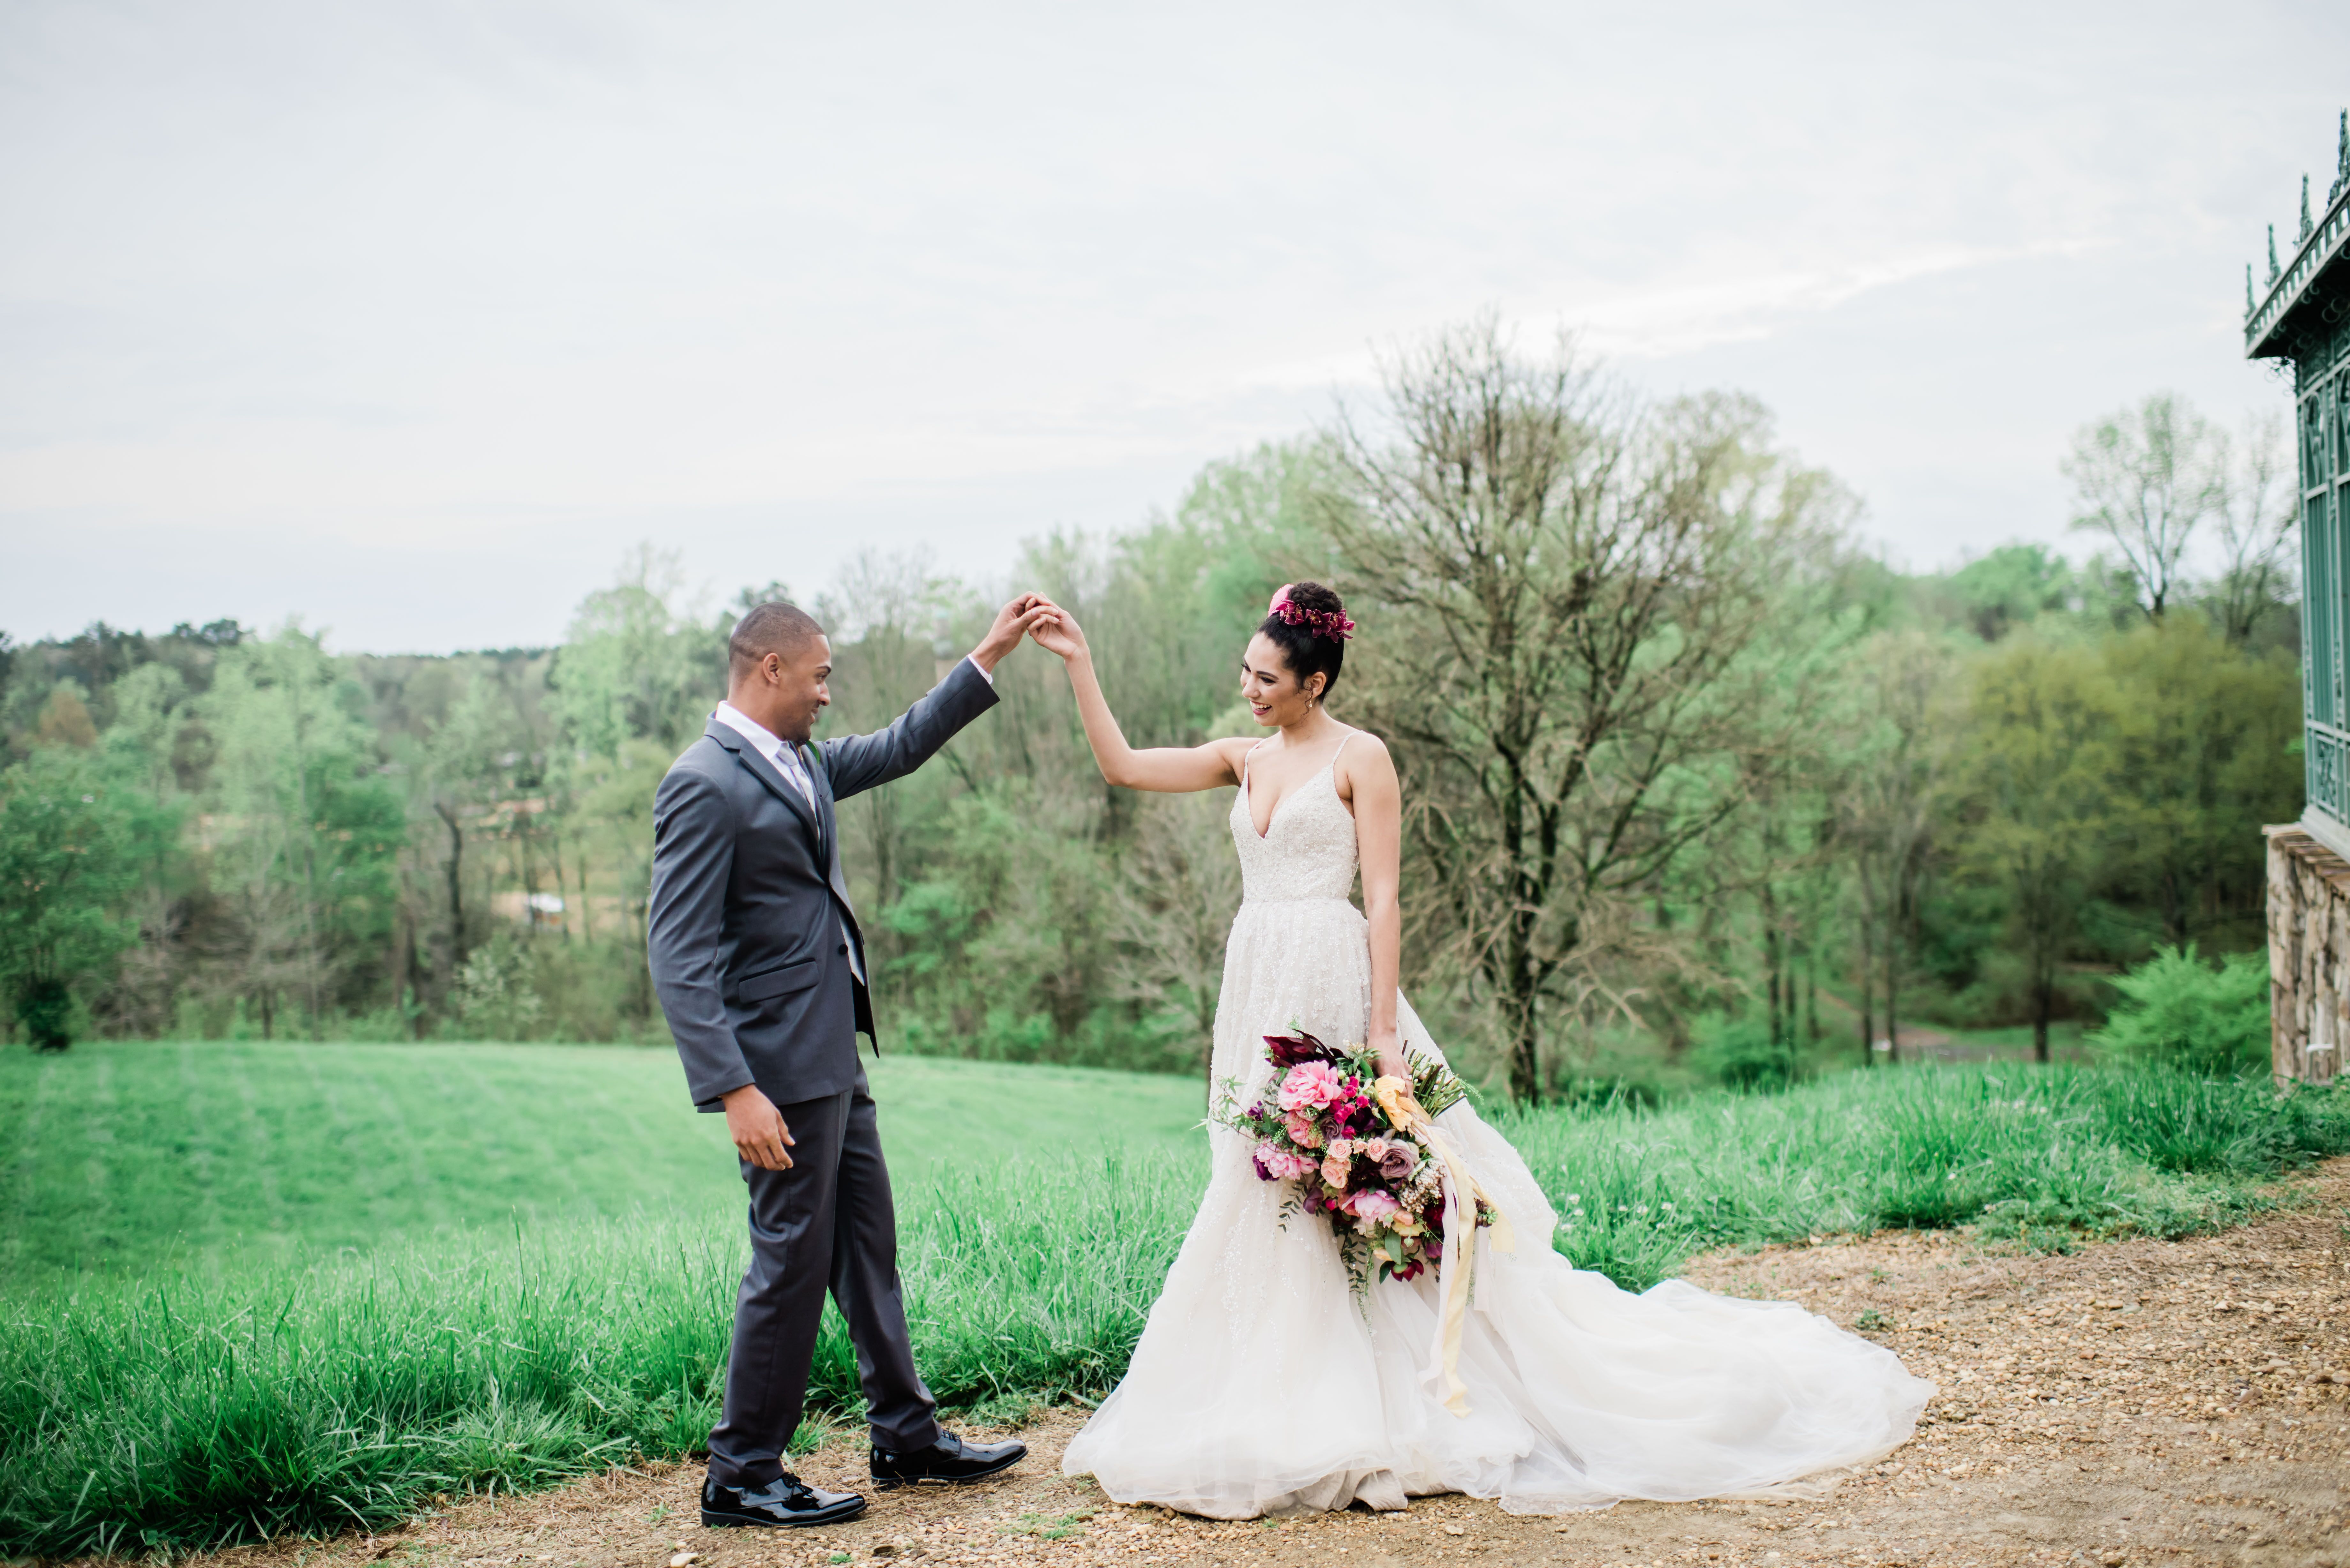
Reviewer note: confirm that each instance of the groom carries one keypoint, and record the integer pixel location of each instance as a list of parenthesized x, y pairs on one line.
[(761, 970)]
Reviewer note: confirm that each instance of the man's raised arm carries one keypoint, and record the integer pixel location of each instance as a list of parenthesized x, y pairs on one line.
[(858, 763)]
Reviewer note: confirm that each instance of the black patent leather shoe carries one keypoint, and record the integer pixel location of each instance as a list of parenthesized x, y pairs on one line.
[(789, 1504), (949, 1459)]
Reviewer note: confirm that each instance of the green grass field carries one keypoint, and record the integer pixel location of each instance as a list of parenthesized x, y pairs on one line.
[(131, 1155), (315, 1381)]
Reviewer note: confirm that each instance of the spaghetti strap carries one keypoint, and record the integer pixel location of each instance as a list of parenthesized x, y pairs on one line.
[(1245, 760), (1342, 746)]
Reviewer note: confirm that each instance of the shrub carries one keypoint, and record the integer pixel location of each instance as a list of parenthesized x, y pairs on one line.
[(1740, 1052), (2182, 1012)]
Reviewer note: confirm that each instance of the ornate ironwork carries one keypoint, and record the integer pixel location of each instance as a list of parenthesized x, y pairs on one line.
[(2303, 322), (2341, 162)]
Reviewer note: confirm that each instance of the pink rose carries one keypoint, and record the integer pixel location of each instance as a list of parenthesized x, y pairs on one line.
[(1376, 1206), (1335, 1171), (1310, 1086), (1302, 1130)]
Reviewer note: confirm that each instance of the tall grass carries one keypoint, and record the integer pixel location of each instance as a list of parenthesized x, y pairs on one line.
[(183, 1414), (193, 1410), (2044, 1153)]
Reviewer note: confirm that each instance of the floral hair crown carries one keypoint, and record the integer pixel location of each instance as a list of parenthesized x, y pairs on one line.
[(1332, 624)]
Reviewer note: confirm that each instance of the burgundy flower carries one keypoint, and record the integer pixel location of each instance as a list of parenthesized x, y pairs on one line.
[(1289, 1050)]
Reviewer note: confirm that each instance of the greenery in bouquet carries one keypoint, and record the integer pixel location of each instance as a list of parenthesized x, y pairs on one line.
[(1323, 1123)]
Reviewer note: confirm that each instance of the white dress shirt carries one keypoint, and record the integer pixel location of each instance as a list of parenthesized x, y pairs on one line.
[(794, 767)]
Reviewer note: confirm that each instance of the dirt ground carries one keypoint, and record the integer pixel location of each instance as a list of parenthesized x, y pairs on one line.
[(2138, 1402)]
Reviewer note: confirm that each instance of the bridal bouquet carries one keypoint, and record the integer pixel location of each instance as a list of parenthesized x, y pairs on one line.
[(1345, 1136)]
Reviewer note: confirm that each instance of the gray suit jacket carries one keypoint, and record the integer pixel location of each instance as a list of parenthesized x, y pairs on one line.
[(744, 935)]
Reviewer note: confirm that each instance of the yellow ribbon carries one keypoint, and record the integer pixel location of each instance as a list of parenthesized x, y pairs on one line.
[(1463, 1197)]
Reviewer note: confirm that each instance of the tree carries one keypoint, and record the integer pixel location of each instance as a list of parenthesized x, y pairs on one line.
[(2010, 586), (1181, 887), (2037, 766), (2143, 478), (306, 832), (68, 858), (2201, 755), (1563, 587), (1898, 748), (2256, 512), (636, 663), (887, 623)]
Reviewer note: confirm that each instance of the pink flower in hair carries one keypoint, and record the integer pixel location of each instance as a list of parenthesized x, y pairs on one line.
[(1335, 625)]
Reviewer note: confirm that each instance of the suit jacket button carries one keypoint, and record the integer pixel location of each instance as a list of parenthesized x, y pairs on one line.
[(843, 949)]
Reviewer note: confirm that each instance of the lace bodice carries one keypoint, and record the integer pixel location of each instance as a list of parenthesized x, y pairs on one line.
[(1307, 850)]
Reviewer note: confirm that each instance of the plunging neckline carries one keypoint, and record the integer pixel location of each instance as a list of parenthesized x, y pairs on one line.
[(1248, 795)]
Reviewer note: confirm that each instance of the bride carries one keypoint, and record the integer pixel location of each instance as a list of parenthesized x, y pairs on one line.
[(1262, 1383)]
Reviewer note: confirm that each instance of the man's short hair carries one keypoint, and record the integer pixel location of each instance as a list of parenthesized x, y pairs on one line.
[(771, 628)]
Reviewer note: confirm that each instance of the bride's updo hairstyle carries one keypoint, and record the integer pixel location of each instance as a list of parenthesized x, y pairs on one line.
[(1309, 623)]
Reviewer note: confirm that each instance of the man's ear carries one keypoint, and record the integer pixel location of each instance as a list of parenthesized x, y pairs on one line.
[(772, 669)]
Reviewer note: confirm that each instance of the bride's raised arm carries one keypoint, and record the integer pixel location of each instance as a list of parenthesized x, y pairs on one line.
[(1170, 770)]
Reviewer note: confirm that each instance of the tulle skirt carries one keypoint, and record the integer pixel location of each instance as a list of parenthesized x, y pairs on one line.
[(1264, 1384)]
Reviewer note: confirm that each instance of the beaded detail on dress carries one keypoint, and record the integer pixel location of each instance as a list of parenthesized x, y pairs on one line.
[(1307, 851)]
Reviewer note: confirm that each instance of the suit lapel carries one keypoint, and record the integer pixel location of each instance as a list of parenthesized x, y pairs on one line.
[(766, 773)]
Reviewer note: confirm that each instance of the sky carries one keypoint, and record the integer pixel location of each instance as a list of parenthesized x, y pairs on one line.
[(410, 320)]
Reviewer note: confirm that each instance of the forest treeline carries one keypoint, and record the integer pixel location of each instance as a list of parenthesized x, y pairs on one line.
[(1690, 775)]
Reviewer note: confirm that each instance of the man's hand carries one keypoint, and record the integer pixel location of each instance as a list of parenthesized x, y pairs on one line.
[(1012, 623), (757, 1128)]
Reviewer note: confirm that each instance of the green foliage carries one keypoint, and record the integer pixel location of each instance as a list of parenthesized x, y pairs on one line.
[(1742, 1052), (634, 665), (496, 997), (2200, 761), (2180, 1012), (2013, 586), (70, 838), (2037, 781), (1811, 789), (305, 830)]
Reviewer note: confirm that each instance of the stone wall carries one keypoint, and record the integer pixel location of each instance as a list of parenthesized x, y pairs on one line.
[(2309, 954)]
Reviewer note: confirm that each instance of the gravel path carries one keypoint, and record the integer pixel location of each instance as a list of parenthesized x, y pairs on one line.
[(2138, 1402)]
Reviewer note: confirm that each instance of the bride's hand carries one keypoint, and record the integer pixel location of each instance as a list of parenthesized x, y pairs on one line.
[(1388, 1045), (1057, 632)]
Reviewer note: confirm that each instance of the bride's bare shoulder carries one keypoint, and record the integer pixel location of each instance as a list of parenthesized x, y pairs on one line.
[(1234, 751), (1363, 760)]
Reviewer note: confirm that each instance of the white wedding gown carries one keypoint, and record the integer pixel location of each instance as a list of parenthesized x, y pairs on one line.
[(1264, 1384)]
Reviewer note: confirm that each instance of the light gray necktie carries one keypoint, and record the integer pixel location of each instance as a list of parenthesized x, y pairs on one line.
[(794, 767)]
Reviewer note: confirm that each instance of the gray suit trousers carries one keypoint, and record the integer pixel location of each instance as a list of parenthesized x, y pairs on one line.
[(825, 1223)]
